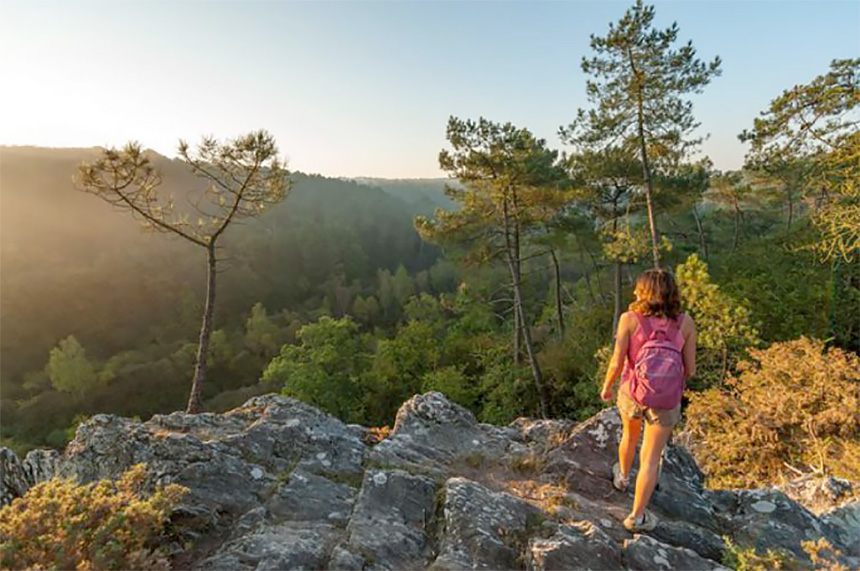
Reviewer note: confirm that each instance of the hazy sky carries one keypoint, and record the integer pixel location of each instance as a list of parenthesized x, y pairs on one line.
[(361, 88)]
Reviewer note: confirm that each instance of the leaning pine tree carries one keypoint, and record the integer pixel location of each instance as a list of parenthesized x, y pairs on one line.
[(638, 86), (511, 186), (244, 176)]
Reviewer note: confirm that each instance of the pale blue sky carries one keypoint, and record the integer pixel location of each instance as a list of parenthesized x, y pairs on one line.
[(364, 88)]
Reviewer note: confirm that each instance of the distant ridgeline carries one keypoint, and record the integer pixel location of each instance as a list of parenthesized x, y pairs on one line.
[(72, 266), (424, 194)]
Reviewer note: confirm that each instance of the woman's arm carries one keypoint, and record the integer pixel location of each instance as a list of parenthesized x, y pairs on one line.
[(689, 351), (622, 342)]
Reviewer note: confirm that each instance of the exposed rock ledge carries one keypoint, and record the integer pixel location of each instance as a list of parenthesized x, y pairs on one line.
[(278, 484)]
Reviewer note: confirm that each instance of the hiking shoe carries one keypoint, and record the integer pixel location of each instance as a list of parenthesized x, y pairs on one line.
[(619, 482), (645, 522)]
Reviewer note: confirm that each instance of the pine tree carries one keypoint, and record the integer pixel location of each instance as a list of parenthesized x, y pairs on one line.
[(512, 185), (638, 86), (245, 176), (811, 134)]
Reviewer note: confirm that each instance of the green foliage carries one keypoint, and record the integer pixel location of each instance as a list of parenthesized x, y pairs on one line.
[(244, 175), (723, 326), (102, 525), (806, 118), (730, 190), (262, 334), (70, 370), (790, 295), (403, 286), (452, 382), (326, 244), (630, 245), (513, 185), (813, 129), (398, 365), (325, 368), (366, 310), (749, 559), (506, 393), (636, 71), (837, 213), (573, 373)]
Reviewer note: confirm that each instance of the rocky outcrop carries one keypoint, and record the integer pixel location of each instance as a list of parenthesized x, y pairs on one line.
[(17, 476), (821, 493), (278, 484)]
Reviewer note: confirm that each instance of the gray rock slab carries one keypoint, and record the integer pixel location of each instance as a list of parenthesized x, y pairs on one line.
[(582, 545), (308, 496), (289, 545), (485, 529), (648, 554), (392, 525)]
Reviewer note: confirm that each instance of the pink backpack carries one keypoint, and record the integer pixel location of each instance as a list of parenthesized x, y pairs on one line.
[(658, 368)]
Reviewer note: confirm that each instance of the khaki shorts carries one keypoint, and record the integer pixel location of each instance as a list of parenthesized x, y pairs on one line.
[(629, 408)]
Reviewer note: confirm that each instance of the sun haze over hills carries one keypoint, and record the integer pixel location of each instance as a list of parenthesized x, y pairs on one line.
[(355, 89)]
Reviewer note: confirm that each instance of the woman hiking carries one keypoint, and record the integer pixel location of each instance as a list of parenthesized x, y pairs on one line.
[(655, 350)]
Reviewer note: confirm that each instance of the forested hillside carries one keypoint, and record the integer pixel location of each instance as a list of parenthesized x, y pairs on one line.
[(74, 267)]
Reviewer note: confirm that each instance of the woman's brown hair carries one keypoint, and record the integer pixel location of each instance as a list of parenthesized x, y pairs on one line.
[(657, 294)]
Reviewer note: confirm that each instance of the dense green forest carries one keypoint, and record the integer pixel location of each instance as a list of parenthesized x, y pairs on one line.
[(73, 267), (500, 289)]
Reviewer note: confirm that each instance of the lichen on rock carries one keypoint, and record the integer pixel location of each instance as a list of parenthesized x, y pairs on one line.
[(278, 484)]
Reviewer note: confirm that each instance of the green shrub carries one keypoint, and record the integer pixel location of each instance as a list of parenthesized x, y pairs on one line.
[(749, 559), (724, 329), (453, 383)]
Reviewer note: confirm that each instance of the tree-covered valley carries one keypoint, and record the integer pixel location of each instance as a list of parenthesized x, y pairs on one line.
[(131, 300)]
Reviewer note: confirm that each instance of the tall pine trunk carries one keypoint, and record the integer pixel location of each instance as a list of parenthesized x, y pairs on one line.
[(737, 226), (616, 314), (703, 243), (518, 359), (584, 262), (649, 191), (559, 313), (527, 338), (646, 167), (205, 334), (512, 249)]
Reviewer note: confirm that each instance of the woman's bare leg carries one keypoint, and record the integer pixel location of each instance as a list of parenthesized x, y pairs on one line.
[(653, 443), (629, 439)]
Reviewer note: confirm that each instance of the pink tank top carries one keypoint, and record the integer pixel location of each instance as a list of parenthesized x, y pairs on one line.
[(637, 339)]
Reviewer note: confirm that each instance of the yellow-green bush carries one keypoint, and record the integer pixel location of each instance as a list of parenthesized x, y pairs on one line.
[(749, 558), (102, 525), (822, 556), (724, 327), (792, 407)]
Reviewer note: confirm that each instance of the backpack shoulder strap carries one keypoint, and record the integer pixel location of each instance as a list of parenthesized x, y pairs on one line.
[(679, 336), (643, 323)]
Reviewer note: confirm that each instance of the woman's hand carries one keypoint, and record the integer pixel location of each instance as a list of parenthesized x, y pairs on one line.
[(606, 393)]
